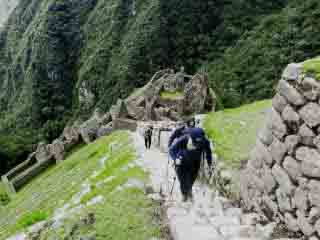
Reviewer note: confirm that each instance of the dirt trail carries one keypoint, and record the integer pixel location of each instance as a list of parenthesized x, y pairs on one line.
[(209, 217)]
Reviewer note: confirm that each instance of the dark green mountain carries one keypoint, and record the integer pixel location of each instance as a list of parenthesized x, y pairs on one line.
[(61, 59)]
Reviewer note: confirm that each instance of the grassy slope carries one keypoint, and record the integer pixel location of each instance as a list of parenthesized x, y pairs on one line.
[(126, 214), (234, 130)]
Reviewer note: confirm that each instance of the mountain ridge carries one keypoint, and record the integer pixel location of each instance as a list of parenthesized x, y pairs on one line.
[(62, 60)]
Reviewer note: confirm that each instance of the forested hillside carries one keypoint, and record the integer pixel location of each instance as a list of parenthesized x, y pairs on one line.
[(60, 60)]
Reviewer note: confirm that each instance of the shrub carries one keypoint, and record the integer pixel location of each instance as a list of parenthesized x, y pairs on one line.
[(31, 218), (4, 199)]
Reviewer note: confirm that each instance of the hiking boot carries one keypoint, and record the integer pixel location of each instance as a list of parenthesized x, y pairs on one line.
[(190, 196), (184, 197)]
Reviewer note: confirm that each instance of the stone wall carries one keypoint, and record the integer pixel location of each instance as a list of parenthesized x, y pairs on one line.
[(282, 178), (47, 154)]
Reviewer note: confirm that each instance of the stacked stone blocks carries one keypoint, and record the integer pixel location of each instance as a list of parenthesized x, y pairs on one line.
[(282, 177)]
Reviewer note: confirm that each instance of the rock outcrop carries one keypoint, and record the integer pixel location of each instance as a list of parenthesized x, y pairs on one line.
[(168, 96), (282, 177), (6, 7)]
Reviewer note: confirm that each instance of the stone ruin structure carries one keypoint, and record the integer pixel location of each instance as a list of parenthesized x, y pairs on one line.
[(49, 154), (282, 177), (195, 96), (145, 104)]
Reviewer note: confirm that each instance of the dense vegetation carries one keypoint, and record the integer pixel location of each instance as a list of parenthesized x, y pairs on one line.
[(62, 59), (250, 69)]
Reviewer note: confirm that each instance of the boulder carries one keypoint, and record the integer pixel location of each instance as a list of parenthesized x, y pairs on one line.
[(314, 193), (249, 194), (268, 180), (311, 88), (71, 134), (105, 119), (310, 161), (119, 110), (310, 114), (290, 93), (105, 130), (195, 94), (88, 130), (278, 150), (43, 153), (124, 124), (283, 179), (265, 136), (314, 215), (316, 142), (300, 199), (279, 103), (284, 201), (291, 143), (276, 124), (162, 114), (292, 72), (304, 225), (307, 135), (271, 205), (86, 97), (292, 167), (317, 226), (260, 155), (56, 148), (290, 116), (291, 222)]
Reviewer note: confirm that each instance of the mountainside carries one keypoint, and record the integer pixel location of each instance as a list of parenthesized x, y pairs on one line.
[(60, 60), (6, 7), (250, 69)]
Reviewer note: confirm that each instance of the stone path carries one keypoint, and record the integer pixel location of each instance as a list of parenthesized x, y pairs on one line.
[(209, 217)]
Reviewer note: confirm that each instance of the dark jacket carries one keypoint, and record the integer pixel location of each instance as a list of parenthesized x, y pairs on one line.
[(179, 132), (202, 145)]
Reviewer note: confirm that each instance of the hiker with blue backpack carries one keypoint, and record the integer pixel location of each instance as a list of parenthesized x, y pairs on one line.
[(181, 130), (186, 152)]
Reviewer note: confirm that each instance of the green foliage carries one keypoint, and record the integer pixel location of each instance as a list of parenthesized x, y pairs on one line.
[(31, 218), (171, 95), (234, 131), (53, 51), (250, 69), (312, 67), (4, 198)]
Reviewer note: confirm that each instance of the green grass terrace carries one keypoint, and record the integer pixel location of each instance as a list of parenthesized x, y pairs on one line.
[(124, 214), (234, 131)]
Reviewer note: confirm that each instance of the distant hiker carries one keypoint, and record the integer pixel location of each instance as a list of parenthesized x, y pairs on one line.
[(148, 137), (198, 123), (187, 153), (181, 130)]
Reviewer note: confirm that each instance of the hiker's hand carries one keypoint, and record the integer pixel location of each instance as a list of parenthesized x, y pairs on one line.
[(178, 161)]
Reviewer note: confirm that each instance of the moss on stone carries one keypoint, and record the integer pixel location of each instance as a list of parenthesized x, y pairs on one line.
[(312, 67), (171, 95)]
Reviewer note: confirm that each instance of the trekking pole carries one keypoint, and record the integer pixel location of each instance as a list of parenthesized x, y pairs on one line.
[(174, 181), (167, 174)]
